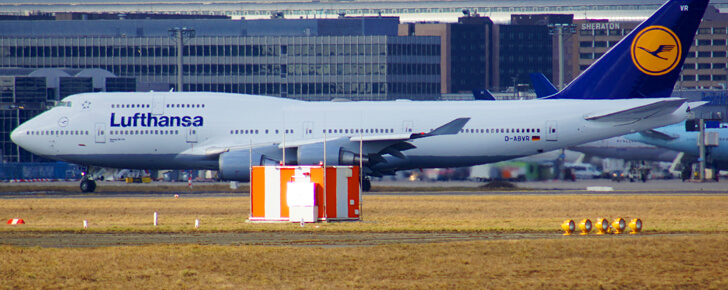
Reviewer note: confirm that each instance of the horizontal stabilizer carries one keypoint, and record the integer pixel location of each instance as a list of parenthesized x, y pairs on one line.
[(665, 106), (654, 134)]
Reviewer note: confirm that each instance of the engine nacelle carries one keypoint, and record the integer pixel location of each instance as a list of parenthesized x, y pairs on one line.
[(235, 165), (337, 153), (313, 154)]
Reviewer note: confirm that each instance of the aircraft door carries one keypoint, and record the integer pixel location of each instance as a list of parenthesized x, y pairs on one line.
[(158, 105), (100, 133), (407, 126), (192, 135), (551, 133), (307, 130)]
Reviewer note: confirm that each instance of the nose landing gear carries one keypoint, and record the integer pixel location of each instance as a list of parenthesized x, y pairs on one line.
[(88, 185), (87, 182)]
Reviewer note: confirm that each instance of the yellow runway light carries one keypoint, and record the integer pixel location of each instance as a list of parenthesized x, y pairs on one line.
[(636, 226), (568, 227), (602, 226), (585, 226), (619, 225)]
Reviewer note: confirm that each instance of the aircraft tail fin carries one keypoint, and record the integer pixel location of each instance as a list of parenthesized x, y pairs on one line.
[(542, 85), (483, 95), (647, 62)]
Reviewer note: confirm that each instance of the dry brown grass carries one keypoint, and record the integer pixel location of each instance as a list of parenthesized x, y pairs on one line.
[(634, 262), (380, 213), (116, 187), (611, 262)]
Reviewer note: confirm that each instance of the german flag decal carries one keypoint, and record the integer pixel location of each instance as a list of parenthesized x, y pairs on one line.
[(535, 138)]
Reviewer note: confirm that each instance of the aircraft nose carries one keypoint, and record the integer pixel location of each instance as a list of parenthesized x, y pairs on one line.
[(19, 136)]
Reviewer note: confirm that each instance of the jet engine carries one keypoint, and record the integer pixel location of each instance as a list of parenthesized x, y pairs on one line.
[(235, 165)]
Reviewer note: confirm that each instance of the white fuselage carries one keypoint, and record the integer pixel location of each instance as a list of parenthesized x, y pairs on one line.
[(175, 130)]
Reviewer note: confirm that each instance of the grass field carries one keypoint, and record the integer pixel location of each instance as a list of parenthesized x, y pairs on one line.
[(380, 213), (685, 245)]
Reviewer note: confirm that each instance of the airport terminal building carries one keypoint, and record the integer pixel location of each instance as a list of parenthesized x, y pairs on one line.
[(307, 59)]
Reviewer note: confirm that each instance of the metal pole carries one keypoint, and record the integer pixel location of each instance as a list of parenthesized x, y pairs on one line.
[(361, 171), (283, 162), (701, 144), (324, 204), (180, 48), (561, 56)]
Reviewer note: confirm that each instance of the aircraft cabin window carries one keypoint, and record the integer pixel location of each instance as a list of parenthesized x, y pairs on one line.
[(266, 131)]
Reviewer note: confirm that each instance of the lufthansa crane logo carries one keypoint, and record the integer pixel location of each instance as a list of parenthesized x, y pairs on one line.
[(656, 50)]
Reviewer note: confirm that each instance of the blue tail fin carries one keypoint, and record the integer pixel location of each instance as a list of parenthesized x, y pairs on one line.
[(483, 95), (647, 62), (542, 85)]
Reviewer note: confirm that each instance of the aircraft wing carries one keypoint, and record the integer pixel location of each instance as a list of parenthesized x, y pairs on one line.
[(654, 134), (451, 128), (635, 114), (373, 145)]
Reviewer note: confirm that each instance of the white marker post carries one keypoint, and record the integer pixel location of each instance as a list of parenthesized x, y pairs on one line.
[(155, 218), (197, 223), (85, 224)]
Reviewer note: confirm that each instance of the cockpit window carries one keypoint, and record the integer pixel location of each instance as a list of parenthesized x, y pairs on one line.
[(63, 104)]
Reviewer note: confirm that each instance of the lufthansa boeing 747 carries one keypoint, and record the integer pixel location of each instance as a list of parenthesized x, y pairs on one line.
[(627, 90)]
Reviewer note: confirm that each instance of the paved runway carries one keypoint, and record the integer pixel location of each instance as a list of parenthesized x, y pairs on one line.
[(597, 186)]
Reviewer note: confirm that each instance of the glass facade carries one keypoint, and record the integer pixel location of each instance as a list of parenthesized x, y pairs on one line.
[(306, 68), (524, 49), (21, 98)]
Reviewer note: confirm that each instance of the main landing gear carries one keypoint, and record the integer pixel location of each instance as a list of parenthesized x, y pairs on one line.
[(366, 184), (87, 182)]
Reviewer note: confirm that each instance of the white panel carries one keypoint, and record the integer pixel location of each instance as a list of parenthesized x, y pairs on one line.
[(342, 195), (272, 192), (300, 194)]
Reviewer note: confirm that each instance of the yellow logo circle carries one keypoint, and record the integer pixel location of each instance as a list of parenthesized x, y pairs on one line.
[(656, 50)]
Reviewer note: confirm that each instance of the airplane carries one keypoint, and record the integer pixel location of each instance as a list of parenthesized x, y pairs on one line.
[(677, 137), (624, 91), (616, 147), (624, 148)]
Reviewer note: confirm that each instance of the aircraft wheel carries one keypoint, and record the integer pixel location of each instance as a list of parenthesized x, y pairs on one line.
[(366, 185), (88, 185)]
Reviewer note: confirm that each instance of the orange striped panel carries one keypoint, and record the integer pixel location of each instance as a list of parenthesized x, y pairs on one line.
[(317, 177), (257, 192), (331, 192), (286, 174), (353, 192)]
